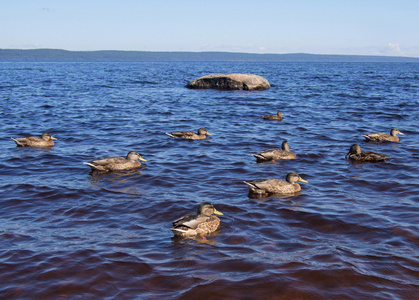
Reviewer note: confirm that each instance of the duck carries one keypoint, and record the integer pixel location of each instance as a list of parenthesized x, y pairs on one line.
[(355, 154), (190, 135), (204, 222), (117, 163), (278, 116), (383, 137), (46, 140), (275, 186), (275, 154)]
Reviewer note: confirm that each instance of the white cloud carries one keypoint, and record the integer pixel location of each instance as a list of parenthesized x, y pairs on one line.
[(25, 46), (395, 49)]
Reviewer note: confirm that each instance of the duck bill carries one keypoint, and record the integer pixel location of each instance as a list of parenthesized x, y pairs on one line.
[(142, 159), (347, 154), (53, 138), (216, 212), (401, 133), (209, 133), (302, 180)]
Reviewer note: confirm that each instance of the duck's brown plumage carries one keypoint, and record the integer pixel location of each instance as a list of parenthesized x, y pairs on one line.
[(190, 135), (46, 140), (275, 154), (275, 186), (383, 137), (355, 154), (277, 117), (204, 222), (116, 163)]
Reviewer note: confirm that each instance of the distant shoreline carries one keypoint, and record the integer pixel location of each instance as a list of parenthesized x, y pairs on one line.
[(57, 55)]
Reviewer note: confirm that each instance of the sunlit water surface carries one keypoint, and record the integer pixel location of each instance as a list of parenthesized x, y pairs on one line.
[(352, 232)]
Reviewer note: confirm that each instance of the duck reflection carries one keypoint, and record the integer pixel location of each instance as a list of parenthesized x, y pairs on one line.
[(118, 182), (285, 199), (208, 239)]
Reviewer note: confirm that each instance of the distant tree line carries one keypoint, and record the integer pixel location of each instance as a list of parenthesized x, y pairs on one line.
[(57, 55)]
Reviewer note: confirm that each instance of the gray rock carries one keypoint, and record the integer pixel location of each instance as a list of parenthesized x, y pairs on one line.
[(247, 82)]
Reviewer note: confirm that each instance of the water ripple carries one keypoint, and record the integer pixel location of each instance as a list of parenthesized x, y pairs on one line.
[(350, 233)]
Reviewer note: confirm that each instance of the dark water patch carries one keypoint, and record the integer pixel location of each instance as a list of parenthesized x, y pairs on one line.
[(350, 233)]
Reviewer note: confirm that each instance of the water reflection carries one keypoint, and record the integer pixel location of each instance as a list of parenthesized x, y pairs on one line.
[(117, 182), (34, 150), (352, 232), (282, 197), (208, 239), (288, 200)]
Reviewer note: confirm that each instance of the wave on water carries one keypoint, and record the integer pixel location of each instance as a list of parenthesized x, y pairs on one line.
[(351, 233)]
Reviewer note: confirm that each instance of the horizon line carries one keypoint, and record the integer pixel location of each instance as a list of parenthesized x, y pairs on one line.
[(212, 51)]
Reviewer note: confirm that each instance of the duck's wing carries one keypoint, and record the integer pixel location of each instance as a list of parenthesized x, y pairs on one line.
[(108, 160), (28, 140), (270, 117), (270, 154), (191, 221), (373, 156), (376, 136), (33, 139), (182, 134), (264, 184)]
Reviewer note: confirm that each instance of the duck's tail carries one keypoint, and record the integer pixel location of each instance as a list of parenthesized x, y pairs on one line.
[(367, 137), (178, 232), (16, 141), (254, 190), (171, 135), (251, 185), (93, 166), (260, 158)]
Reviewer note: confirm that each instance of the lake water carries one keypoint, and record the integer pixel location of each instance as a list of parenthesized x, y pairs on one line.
[(65, 233)]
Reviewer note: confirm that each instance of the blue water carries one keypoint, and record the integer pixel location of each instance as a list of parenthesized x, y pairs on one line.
[(352, 232)]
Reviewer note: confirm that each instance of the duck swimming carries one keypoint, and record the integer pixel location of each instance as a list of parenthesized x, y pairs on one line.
[(383, 137), (355, 153), (46, 140), (275, 154), (117, 163), (278, 116), (204, 222), (190, 135), (275, 186)]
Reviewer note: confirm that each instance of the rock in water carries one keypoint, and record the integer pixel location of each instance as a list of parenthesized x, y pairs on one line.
[(247, 82)]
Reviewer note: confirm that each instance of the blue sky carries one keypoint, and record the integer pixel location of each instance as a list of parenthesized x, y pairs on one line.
[(367, 27)]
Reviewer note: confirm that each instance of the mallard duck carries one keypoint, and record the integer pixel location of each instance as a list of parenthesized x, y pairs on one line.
[(116, 163), (46, 140), (275, 154), (355, 153), (202, 223), (190, 135), (383, 137), (278, 116), (275, 186)]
